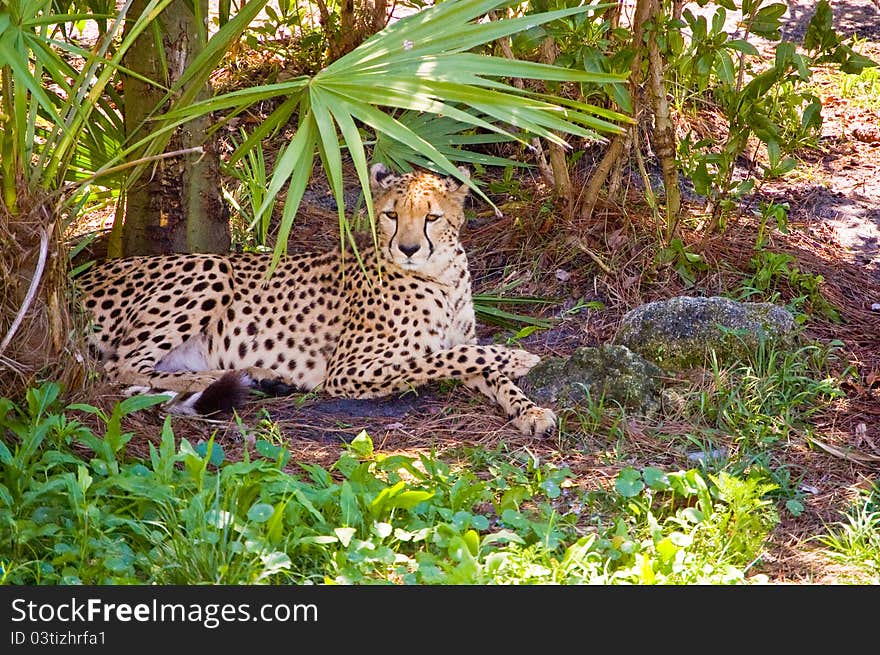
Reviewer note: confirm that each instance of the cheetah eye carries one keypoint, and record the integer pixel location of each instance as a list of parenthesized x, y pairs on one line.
[(391, 215), (432, 217)]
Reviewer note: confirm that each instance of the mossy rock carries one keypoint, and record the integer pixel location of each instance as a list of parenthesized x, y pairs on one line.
[(612, 373), (680, 333)]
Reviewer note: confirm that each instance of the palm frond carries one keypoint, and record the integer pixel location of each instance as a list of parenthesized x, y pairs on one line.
[(417, 64)]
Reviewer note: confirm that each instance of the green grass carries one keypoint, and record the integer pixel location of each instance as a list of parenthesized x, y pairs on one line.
[(763, 399), (75, 507), (862, 89), (77, 511), (855, 539)]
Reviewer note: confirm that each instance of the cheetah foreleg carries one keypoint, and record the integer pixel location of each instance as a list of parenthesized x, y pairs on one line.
[(376, 378), (528, 417)]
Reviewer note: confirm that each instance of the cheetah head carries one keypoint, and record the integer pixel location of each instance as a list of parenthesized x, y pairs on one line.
[(420, 215)]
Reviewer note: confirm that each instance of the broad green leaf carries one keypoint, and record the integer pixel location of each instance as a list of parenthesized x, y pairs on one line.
[(655, 478), (139, 402), (724, 68), (629, 483), (718, 19), (349, 505), (362, 445), (260, 512), (767, 22), (275, 524), (743, 46), (268, 449), (5, 454), (666, 550), (344, 535), (383, 529), (212, 450), (693, 515), (472, 541), (274, 562), (303, 500), (820, 34), (409, 499)]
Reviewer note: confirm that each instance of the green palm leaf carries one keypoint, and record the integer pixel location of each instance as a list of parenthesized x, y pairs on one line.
[(449, 135), (418, 64)]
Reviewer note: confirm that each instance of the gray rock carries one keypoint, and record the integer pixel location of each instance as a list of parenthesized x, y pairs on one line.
[(679, 333), (609, 372)]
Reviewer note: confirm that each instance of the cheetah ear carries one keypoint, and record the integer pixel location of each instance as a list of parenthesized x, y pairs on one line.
[(457, 187), (381, 177)]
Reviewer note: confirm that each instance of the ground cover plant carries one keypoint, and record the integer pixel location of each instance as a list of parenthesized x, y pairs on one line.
[(759, 471)]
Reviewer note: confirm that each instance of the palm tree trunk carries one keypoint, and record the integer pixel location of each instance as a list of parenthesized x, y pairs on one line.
[(10, 166), (177, 205)]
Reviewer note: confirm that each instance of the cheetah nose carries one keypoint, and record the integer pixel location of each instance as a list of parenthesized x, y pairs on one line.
[(409, 251)]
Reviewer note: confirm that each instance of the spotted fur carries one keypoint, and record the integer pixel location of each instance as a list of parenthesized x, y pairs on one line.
[(197, 324)]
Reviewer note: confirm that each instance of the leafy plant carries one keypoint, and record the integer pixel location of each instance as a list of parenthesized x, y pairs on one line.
[(772, 269), (772, 105), (695, 529), (687, 263), (249, 198), (771, 393)]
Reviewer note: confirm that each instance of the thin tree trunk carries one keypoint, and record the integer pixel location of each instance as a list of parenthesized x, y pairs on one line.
[(600, 174), (380, 15), (612, 15), (677, 8), (663, 137), (349, 35), (176, 206), (558, 164), (613, 155)]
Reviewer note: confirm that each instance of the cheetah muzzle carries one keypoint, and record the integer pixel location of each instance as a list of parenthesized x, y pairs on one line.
[(205, 328)]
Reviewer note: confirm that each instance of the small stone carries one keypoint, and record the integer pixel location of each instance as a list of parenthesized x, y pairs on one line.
[(875, 307), (705, 456)]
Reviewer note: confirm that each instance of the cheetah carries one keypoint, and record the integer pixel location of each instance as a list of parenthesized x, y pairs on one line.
[(207, 328)]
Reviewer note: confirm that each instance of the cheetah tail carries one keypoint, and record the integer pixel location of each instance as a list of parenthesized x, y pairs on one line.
[(222, 396)]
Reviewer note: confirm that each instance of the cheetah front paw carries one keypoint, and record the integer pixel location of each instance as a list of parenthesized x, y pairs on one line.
[(536, 421), (520, 363)]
